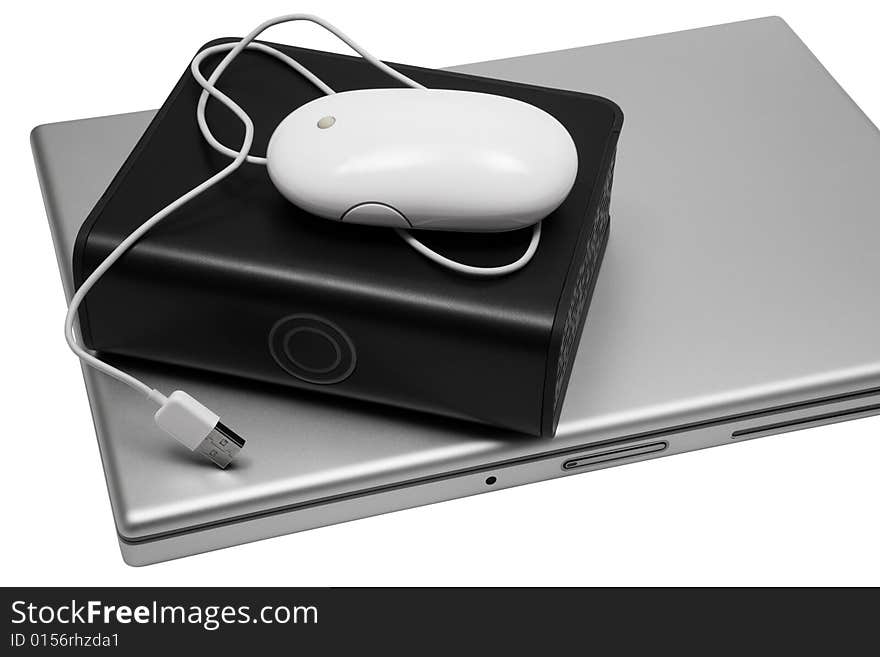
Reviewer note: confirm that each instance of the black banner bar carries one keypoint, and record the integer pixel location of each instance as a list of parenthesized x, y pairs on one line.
[(327, 621)]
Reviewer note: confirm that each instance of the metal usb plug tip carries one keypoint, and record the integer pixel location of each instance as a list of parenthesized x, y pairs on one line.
[(221, 446)]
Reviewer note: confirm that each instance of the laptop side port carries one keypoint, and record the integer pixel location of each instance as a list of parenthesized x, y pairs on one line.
[(608, 455)]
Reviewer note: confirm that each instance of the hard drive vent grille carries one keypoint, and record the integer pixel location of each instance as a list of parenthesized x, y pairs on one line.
[(582, 290)]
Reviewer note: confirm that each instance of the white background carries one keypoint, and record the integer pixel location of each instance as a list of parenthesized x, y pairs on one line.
[(795, 509)]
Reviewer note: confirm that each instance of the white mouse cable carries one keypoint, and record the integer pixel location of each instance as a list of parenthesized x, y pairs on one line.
[(179, 414), (236, 48)]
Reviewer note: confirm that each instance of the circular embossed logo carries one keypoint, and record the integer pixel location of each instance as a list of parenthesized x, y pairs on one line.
[(312, 349)]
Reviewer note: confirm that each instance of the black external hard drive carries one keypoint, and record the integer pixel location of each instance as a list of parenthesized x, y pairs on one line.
[(242, 282)]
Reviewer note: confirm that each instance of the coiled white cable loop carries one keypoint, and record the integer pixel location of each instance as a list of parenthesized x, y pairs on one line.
[(239, 157)]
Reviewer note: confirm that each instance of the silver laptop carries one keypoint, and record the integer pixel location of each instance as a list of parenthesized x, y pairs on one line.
[(738, 298)]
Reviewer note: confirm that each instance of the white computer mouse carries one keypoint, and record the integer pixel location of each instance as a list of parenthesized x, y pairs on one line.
[(423, 158)]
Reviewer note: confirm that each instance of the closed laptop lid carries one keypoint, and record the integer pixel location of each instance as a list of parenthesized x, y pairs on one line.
[(740, 275)]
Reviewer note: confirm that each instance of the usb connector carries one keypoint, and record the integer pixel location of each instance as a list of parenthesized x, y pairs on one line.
[(198, 428), (221, 445)]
